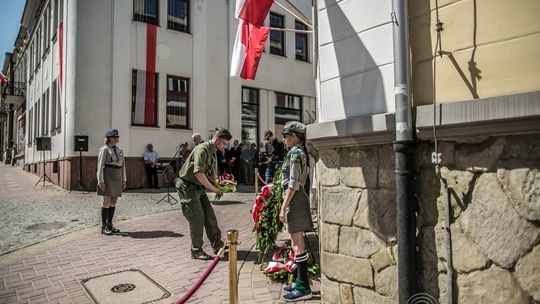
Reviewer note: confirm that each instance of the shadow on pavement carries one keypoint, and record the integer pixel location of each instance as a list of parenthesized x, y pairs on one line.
[(150, 234), (224, 203)]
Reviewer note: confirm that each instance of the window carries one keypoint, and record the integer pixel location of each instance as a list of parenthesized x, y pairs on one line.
[(301, 42), (144, 96), (277, 38), (56, 112), (288, 107), (30, 126), (45, 113), (178, 15), (36, 120), (177, 102), (54, 16), (60, 11), (46, 29), (250, 115), (146, 11), (38, 42)]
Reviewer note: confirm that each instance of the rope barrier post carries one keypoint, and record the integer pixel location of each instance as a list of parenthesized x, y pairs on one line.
[(256, 182), (232, 237)]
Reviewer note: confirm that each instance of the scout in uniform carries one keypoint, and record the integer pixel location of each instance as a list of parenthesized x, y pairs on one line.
[(295, 208), (198, 173), (111, 177)]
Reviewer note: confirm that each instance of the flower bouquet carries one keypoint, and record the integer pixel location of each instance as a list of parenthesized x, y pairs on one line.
[(226, 183), (266, 223), (282, 268)]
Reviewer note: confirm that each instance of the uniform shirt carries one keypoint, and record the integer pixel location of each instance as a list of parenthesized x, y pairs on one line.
[(294, 170), (151, 156), (110, 155), (202, 159)]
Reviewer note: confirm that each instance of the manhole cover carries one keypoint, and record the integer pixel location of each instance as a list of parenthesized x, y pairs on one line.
[(128, 286), (123, 288), (46, 226)]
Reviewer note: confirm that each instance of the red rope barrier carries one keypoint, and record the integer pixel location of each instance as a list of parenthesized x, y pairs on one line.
[(260, 178), (200, 281)]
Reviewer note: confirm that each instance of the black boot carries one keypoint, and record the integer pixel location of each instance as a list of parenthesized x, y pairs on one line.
[(104, 218), (109, 220)]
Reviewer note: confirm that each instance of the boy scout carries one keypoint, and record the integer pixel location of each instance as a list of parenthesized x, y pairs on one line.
[(198, 173)]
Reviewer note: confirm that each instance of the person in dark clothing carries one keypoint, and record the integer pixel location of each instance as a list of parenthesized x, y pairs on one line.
[(221, 161), (276, 153), (236, 155), (262, 158)]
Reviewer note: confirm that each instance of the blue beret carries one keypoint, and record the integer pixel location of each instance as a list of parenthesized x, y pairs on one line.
[(109, 133)]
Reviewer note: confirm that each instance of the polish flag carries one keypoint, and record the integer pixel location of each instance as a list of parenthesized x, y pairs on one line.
[(253, 11), (145, 96), (3, 78), (248, 49), (250, 37)]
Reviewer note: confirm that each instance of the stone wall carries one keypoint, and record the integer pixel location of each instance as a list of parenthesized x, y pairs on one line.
[(494, 186)]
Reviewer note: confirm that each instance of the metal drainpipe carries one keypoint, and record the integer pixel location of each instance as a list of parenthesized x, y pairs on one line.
[(403, 148)]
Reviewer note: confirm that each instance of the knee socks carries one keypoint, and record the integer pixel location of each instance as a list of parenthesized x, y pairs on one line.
[(111, 214), (302, 280), (104, 215)]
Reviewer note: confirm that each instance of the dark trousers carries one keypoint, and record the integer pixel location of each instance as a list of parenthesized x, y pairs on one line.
[(151, 173)]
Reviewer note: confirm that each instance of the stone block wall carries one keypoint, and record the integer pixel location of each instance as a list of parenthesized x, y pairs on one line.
[(494, 186)]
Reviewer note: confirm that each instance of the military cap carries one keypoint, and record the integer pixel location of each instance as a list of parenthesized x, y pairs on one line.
[(224, 133), (294, 127)]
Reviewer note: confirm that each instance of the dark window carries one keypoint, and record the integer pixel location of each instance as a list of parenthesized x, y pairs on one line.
[(301, 42), (277, 38), (288, 108), (144, 106), (177, 102), (146, 11), (178, 15), (250, 115)]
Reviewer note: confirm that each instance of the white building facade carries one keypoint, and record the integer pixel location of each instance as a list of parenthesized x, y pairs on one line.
[(156, 70)]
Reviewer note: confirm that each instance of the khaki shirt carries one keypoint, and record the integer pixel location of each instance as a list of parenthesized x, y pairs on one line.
[(106, 156), (202, 159), (294, 170)]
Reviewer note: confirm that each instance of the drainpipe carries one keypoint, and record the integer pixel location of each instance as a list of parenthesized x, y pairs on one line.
[(403, 148)]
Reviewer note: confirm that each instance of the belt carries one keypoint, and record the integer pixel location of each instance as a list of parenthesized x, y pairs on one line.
[(113, 166), (192, 184)]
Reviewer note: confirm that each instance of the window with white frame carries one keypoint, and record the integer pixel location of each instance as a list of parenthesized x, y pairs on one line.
[(177, 102), (178, 15), (146, 11)]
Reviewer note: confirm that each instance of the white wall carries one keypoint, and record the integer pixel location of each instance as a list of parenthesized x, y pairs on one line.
[(356, 56)]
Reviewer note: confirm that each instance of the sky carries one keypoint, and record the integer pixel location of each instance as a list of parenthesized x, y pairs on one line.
[(10, 21)]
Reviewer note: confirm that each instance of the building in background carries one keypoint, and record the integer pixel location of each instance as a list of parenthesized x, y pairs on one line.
[(156, 70), (486, 87)]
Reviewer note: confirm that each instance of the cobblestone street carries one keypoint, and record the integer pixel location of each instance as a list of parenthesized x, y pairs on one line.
[(68, 248)]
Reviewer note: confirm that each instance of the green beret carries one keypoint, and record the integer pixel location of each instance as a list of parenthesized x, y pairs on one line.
[(224, 133), (294, 127)]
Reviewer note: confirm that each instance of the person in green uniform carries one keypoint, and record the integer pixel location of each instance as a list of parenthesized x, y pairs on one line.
[(196, 175), (295, 210)]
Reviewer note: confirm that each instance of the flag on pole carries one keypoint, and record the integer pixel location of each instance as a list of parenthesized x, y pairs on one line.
[(253, 11), (250, 37), (3, 78), (145, 95)]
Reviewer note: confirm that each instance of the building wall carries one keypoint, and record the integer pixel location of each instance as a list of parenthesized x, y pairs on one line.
[(488, 45), (489, 145), (102, 47)]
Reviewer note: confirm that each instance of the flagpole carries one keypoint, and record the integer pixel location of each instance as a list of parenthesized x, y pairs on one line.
[(290, 30), (297, 9), (294, 15)]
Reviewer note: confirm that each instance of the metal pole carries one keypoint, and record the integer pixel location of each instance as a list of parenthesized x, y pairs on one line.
[(232, 236), (403, 147)]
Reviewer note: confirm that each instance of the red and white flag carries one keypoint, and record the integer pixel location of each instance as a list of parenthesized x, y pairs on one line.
[(253, 11), (3, 78), (145, 96), (250, 37)]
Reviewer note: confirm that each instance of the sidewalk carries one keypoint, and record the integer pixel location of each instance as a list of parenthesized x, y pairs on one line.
[(156, 246)]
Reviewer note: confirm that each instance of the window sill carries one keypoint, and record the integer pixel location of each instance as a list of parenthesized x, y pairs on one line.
[(278, 55), (189, 33), (150, 22), (145, 126), (304, 61), (179, 128)]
